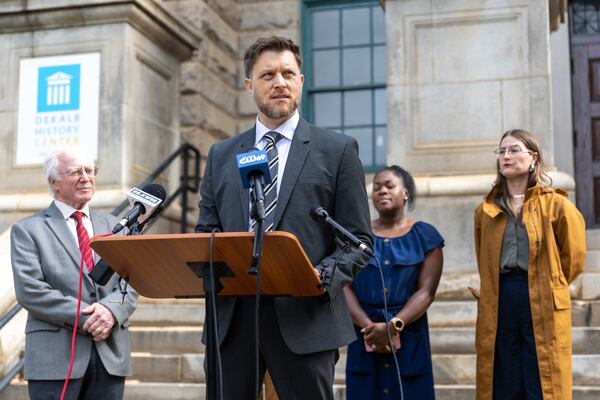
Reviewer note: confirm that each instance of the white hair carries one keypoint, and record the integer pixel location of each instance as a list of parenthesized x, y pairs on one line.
[(52, 162)]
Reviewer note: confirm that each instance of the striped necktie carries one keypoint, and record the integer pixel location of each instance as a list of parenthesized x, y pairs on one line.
[(270, 191), (83, 239)]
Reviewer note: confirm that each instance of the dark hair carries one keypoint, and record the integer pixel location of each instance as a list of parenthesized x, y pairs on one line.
[(407, 181), (538, 175), (273, 43)]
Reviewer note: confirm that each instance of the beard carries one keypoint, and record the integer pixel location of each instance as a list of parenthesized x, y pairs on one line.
[(277, 113)]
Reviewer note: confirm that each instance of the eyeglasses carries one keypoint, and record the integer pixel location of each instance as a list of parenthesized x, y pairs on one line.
[(513, 151), (89, 171)]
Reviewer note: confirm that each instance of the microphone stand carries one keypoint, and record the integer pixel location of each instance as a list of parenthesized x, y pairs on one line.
[(258, 214)]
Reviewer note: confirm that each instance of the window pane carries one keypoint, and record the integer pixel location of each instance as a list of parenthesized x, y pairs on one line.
[(358, 108), (357, 66), (378, 25), (356, 26), (326, 68), (380, 146), (326, 29), (379, 64), (364, 136), (327, 109), (380, 107)]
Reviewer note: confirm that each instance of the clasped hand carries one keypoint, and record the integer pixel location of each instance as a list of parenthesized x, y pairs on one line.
[(376, 336), (100, 322)]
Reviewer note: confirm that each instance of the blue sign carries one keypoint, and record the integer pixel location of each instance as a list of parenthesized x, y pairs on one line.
[(58, 88)]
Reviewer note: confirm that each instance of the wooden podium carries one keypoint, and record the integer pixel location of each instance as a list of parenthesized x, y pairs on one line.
[(177, 266), (170, 266)]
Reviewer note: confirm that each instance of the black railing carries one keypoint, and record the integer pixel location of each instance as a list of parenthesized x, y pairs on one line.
[(186, 151)]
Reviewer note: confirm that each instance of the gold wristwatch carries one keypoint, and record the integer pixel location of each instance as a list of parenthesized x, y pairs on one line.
[(398, 324)]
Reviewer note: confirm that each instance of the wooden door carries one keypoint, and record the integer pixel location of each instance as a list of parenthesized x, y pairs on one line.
[(585, 65)]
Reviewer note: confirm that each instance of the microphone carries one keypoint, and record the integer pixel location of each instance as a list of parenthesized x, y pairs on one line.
[(252, 163), (254, 171), (144, 202), (320, 215)]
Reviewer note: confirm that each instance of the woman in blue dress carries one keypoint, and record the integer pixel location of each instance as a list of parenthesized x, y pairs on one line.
[(411, 259)]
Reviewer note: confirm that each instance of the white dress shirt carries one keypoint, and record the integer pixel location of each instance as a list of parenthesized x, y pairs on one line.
[(66, 210), (286, 130)]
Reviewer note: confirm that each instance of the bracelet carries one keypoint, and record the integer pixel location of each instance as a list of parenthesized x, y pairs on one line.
[(397, 325)]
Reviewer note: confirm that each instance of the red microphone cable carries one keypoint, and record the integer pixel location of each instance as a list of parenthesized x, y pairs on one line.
[(74, 336)]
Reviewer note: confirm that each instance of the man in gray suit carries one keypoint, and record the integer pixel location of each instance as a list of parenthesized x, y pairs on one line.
[(45, 250), (299, 337)]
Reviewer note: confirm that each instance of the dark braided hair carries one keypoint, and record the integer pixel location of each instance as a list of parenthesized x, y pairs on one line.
[(407, 181)]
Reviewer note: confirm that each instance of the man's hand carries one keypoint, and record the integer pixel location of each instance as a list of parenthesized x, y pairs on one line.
[(100, 322)]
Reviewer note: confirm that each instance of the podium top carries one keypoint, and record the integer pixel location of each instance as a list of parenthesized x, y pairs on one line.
[(162, 266)]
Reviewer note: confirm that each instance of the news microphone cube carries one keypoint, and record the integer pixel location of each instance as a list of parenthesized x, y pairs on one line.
[(253, 163)]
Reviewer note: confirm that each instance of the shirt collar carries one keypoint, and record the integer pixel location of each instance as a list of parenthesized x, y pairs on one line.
[(66, 210), (286, 129)]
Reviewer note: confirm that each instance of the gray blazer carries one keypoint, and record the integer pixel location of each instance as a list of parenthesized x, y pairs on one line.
[(45, 261), (322, 169)]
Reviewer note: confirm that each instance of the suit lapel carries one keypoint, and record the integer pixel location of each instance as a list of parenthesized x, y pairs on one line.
[(247, 141), (58, 225), (295, 162)]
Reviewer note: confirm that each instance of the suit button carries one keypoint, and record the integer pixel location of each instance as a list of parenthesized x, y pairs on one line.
[(386, 365), (386, 391), (387, 262), (385, 290)]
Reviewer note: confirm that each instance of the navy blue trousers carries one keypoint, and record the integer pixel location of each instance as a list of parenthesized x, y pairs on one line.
[(516, 372)]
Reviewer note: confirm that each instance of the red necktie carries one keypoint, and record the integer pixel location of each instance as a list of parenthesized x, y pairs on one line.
[(83, 239)]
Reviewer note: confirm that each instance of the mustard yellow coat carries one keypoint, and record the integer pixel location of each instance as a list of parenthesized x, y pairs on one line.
[(556, 232)]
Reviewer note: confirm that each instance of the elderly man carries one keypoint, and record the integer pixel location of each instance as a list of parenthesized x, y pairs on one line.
[(46, 249)]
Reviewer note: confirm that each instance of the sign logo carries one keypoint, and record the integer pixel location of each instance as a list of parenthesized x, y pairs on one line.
[(252, 158), (58, 88)]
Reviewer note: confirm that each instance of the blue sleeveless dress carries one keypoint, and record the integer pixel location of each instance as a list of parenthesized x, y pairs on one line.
[(372, 375)]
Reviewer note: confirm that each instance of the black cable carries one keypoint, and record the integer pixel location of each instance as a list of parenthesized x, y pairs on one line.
[(387, 328), (213, 297), (257, 330)]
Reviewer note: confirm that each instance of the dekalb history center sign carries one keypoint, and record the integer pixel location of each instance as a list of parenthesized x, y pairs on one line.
[(58, 105)]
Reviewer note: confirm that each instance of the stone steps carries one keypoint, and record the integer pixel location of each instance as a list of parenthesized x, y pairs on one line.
[(452, 369), (467, 392), (196, 391), (452, 340), (447, 368)]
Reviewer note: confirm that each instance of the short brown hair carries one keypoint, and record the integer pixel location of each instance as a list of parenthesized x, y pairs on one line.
[(273, 43)]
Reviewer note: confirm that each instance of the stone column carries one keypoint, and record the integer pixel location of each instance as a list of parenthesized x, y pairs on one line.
[(141, 47), (462, 72)]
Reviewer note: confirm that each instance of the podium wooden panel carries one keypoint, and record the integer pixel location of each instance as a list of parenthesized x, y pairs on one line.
[(157, 265)]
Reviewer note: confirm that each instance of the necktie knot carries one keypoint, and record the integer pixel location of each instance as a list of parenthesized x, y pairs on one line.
[(77, 216), (272, 138), (83, 239)]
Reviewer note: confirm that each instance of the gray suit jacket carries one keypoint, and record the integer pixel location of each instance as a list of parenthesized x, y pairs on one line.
[(45, 261), (322, 169)]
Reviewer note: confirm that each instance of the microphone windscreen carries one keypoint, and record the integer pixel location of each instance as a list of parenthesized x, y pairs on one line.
[(254, 162), (155, 190), (319, 214)]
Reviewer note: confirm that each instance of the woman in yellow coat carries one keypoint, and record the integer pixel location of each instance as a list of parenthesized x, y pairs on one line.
[(530, 245)]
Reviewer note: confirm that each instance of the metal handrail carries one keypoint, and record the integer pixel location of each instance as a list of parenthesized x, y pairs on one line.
[(186, 151), (9, 315)]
